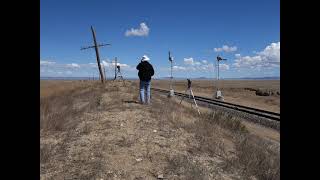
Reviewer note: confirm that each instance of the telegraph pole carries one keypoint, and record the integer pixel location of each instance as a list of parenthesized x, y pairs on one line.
[(97, 54), (95, 46), (104, 72), (115, 68)]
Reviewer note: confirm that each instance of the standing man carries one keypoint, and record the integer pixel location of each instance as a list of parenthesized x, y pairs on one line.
[(145, 73)]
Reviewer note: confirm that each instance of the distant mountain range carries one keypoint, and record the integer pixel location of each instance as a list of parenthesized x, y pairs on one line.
[(267, 78), (242, 78), (176, 78)]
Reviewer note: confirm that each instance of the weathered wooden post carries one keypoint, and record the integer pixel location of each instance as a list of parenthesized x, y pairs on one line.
[(95, 46), (97, 54)]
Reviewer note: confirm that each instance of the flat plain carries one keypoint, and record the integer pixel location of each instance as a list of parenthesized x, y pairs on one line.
[(90, 130), (242, 92)]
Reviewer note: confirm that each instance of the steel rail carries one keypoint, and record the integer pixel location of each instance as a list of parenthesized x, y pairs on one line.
[(250, 110)]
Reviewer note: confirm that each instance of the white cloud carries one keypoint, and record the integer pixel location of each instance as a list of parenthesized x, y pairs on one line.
[(226, 48), (106, 64), (85, 68), (58, 69), (112, 64), (224, 67), (93, 65), (207, 67), (73, 65), (188, 61), (179, 68), (46, 62), (121, 65), (142, 31), (271, 53), (267, 58), (236, 65), (192, 65)]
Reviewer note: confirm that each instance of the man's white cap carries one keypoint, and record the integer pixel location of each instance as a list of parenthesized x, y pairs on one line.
[(145, 58)]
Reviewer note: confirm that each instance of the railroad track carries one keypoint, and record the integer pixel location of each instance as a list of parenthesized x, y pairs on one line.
[(249, 110)]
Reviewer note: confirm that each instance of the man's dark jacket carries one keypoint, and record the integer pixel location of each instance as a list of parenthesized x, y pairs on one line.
[(145, 71)]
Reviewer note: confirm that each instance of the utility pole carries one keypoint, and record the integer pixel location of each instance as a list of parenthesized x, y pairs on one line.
[(115, 69), (218, 74), (104, 72), (97, 54), (95, 46)]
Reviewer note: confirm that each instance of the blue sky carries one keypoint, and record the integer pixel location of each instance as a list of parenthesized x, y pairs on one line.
[(245, 32)]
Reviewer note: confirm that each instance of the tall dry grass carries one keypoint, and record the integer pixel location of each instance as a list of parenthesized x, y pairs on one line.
[(250, 157), (62, 109)]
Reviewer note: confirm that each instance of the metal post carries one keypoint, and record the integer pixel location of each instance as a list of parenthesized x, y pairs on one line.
[(115, 69), (171, 93), (170, 59), (189, 89), (104, 72), (171, 77), (218, 75), (195, 101)]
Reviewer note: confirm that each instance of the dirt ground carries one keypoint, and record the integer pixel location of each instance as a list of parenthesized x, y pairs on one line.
[(107, 134), (234, 91)]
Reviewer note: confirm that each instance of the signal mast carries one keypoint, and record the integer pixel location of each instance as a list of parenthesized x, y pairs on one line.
[(218, 94), (171, 93)]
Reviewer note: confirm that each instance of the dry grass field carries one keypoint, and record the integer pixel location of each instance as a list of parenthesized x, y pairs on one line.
[(235, 91), (50, 87), (94, 131)]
